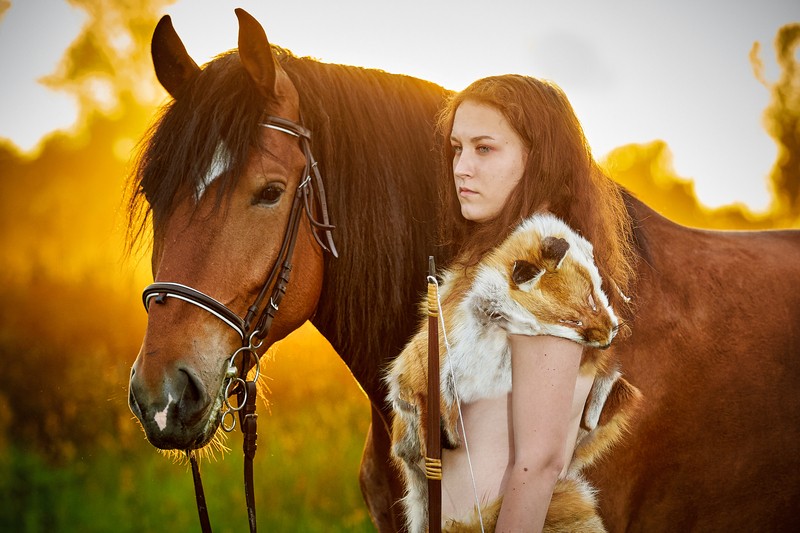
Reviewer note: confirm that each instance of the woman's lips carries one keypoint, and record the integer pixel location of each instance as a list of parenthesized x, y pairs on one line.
[(463, 191)]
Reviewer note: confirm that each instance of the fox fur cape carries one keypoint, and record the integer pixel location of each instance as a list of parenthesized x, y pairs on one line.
[(542, 280)]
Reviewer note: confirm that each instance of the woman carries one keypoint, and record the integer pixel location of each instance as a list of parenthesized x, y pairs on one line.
[(513, 147)]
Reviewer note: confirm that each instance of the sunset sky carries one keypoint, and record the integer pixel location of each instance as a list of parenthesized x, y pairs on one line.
[(634, 70)]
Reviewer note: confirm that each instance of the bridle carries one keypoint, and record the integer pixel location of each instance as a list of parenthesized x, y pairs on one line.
[(254, 326)]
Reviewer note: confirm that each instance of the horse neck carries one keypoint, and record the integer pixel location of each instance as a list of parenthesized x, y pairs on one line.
[(369, 137), (643, 218)]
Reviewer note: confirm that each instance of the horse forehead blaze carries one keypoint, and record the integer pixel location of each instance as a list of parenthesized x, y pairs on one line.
[(220, 163)]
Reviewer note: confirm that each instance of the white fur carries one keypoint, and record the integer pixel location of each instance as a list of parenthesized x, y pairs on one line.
[(491, 287), (220, 162), (600, 390), (479, 357), (160, 418)]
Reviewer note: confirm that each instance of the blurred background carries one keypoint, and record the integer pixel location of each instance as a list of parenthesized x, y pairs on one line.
[(72, 458)]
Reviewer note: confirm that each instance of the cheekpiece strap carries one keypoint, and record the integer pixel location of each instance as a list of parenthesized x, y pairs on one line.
[(311, 173)]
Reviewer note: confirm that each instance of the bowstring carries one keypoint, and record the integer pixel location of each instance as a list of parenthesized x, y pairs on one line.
[(435, 281)]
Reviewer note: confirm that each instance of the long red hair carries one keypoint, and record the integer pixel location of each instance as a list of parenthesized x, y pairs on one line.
[(560, 175)]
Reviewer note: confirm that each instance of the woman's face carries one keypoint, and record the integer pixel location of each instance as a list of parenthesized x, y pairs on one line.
[(489, 160)]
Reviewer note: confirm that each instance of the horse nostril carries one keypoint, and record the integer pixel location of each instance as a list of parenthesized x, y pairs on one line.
[(194, 398), (194, 389), (132, 401), (133, 404)]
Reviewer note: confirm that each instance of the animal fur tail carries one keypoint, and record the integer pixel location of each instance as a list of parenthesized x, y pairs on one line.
[(610, 408), (572, 510)]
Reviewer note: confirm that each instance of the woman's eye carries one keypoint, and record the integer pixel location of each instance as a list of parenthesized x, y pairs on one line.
[(483, 149), (270, 195), (457, 149)]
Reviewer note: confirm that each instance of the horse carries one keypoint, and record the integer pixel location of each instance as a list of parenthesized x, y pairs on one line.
[(714, 339)]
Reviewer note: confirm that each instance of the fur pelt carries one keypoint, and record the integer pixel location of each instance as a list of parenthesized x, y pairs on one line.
[(572, 510), (541, 280)]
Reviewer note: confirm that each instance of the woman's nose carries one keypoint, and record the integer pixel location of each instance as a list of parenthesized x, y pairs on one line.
[(462, 166)]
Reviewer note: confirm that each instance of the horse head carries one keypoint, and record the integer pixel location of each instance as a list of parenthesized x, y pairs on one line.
[(218, 176)]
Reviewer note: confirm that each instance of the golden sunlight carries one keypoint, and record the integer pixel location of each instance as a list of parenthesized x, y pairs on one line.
[(78, 95)]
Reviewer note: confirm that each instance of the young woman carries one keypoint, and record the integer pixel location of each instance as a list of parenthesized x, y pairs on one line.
[(513, 147)]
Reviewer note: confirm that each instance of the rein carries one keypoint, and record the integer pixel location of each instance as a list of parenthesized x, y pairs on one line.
[(254, 327)]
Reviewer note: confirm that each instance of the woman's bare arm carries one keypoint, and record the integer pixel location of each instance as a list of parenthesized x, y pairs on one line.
[(544, 372)]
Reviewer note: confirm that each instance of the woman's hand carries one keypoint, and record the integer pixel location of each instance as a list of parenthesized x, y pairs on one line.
[(544, 375)]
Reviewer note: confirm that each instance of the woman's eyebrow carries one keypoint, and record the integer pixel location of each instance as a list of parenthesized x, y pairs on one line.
[(475, 139)]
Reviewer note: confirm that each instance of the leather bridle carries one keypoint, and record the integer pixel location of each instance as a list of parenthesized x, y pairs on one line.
[(254, 326)]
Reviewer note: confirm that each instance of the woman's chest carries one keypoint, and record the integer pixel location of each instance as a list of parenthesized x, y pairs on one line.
[(489, 435)]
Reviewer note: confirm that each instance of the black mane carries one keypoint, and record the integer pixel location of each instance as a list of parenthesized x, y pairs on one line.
[(374, 138)]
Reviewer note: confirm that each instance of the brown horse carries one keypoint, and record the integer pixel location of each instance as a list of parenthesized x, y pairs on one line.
[(714, 347)]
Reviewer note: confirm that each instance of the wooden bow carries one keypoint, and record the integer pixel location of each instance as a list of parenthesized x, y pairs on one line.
[(433, 458)]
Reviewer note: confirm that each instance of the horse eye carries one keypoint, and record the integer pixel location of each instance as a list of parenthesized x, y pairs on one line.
[(269, 195)]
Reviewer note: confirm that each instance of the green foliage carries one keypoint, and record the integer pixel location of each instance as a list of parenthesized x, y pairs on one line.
[(304, 482)]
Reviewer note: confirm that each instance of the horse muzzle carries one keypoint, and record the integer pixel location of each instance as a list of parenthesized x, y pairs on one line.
[(177, 412)]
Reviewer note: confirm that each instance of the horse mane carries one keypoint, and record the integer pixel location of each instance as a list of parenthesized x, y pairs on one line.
[(368, 138), (371, 131), (221, 104), (639, 240)]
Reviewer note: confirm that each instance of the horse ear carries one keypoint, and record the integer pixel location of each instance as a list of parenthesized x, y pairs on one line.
[(172, 63), (554, 249), (523, 272), (256, 53)]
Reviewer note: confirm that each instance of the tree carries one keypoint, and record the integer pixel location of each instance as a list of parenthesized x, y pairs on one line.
[(782, 120)]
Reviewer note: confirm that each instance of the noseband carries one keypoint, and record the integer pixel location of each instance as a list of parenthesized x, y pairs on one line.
[(254, 326)]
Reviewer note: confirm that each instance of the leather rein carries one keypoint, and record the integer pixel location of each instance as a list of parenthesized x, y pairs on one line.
[(254, 326)]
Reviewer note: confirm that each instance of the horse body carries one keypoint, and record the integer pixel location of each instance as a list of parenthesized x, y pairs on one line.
[(714, 349), (714, 340)]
